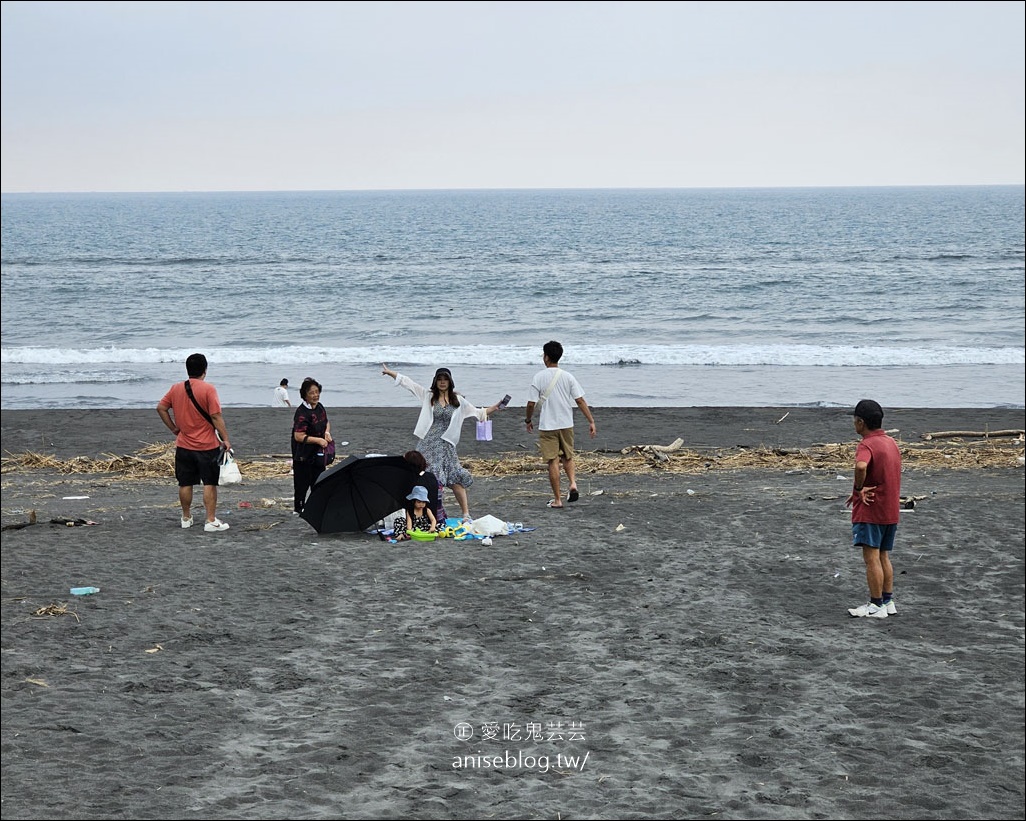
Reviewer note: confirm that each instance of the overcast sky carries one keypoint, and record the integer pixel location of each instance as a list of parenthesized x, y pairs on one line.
[(243, 96)]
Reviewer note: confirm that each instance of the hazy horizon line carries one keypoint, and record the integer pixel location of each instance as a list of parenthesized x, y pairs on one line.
[(511, 188)]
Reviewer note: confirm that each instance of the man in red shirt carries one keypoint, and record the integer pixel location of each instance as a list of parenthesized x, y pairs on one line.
[(192, 411), (875, 503)]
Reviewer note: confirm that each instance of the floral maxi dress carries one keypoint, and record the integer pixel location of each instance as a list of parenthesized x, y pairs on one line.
[(441, 455)]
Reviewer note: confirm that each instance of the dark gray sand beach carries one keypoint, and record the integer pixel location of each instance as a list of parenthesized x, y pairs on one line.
[(676, 644)]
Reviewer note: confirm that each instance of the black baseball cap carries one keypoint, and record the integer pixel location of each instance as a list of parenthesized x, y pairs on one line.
[(868, 409)]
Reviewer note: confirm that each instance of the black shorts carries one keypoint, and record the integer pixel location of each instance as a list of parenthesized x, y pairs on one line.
[(195, 467)]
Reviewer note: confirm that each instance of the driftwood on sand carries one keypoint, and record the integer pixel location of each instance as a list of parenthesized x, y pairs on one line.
[(655, 452)]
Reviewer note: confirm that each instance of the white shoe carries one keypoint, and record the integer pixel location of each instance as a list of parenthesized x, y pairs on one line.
[(872, 611), (186, 522), (891, 609), (215, 526)]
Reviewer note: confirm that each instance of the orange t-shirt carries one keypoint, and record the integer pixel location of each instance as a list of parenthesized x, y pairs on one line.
[(194, 432)]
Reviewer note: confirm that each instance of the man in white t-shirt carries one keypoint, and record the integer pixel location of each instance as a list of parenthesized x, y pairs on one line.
[(556, 392), (281, 395)]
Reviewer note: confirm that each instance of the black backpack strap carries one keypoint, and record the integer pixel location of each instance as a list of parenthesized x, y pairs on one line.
[(192, 396)]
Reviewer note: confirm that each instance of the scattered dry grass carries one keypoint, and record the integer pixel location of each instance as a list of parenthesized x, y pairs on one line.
[(55, 609), (150, 462), (157, 461), (827, 456)]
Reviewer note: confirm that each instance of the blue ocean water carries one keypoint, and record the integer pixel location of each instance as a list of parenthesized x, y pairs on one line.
[(914, 296)]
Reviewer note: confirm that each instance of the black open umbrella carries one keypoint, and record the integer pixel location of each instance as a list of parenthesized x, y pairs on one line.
[(357, 492)]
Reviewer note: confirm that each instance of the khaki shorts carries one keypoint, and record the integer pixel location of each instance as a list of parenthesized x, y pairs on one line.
[(556, 443)]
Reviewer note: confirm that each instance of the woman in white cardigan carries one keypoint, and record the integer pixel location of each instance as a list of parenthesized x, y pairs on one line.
[(442, 412)]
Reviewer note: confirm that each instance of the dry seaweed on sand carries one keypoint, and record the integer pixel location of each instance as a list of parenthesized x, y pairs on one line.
[(157, 461), (54, 609), (150, 462), (676, 459)]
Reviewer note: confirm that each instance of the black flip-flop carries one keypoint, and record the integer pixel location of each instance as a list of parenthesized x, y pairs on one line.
[(574, 495), (551, 506)]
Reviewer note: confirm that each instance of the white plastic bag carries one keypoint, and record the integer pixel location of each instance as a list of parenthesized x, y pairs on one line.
[(230, 473), (489, 526), (484, 431)]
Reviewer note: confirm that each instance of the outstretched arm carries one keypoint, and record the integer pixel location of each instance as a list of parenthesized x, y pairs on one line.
[(405, 382)]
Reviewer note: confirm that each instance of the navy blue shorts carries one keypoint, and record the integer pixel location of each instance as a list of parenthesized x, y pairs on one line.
[(195, 467), (865, 534)]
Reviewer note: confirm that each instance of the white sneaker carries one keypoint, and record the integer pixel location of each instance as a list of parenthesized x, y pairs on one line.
[(891, 609), (870, 610), (215, 526), (186, 522)]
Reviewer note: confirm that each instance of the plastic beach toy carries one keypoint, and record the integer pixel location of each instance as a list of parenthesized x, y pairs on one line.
[(422, 536)]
